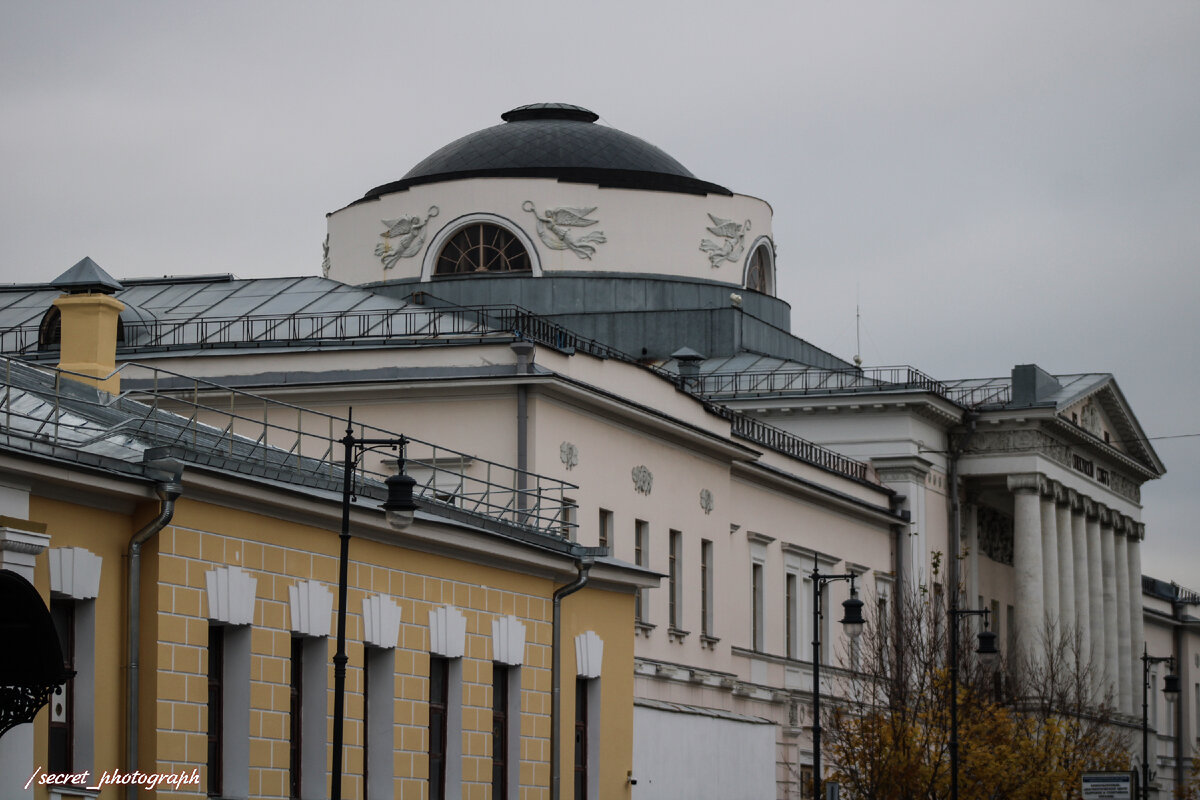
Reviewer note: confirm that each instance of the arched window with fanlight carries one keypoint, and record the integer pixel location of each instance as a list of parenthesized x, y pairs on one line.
[(760, 268), (482, 247)]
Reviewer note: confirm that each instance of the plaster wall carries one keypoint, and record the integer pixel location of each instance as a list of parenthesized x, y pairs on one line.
[(644, 230)]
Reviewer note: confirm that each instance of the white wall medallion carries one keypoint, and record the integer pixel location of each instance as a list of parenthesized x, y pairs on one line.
[(447, 632), (311, 604), (554, 228), (381, 621), (408, 234), (706, 501), (569, 454), (325, 256), (230, 592), (731, 240), (508, 641), (589, 654), (643, 479), (74, 573)]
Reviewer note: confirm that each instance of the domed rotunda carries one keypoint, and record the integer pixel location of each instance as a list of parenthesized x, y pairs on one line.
[(554, 212)]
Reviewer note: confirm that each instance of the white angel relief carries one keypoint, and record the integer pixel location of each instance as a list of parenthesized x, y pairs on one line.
[(731, 240), (403, 238), (555, 228)]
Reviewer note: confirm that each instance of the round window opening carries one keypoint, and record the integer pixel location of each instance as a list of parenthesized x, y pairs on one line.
[(481, 247), (758, 270)]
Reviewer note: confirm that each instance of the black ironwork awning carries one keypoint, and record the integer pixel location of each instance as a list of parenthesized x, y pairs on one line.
[(31, 660)]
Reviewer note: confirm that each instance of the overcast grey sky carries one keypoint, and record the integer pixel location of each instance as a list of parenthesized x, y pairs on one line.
[(996, 184)]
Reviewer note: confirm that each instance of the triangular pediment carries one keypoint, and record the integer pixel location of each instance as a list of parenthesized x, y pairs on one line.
[(1102, 411)]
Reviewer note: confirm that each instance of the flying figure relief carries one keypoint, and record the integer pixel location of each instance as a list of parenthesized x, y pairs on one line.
[(554, 227), (734, 236), (409, 236)]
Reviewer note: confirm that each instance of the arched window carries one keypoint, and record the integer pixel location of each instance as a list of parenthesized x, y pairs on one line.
[(482, 247), (50, 330), (760, 270)]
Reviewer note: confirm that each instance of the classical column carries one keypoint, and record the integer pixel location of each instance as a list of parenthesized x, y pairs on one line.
[(1027, 553), (1066, 562), (1135, 532), (1049, 557), (1095, 595), (1124, 648), (1108, 563), (1083, 602), (971, 516)]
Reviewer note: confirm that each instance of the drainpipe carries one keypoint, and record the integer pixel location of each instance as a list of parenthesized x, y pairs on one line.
[(956, 509), (524, 351), (168, 492), (556, 677)]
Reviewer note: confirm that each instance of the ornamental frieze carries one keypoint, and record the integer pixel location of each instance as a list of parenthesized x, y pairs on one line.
[(403, 238), (730, 241), (1035, 441)]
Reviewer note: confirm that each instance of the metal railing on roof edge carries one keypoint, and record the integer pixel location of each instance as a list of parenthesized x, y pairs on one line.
[(426, 322), (270, 439)]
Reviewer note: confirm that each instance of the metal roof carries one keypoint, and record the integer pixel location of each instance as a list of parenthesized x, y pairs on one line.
[(554, 140)]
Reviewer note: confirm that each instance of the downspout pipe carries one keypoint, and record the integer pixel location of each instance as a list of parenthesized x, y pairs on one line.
[(956, 451), (524, 352), (556, 678), (168, 492)]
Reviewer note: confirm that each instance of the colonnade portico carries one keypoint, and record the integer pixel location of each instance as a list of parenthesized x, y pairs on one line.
[(1077, 571)]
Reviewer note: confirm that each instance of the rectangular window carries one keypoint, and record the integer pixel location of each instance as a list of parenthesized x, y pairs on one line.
[(806, 781), (756, 606), (641, 557), (296, 706), (605, 528), (790, 615), (673, 577), (581, 738), (706, 587), (62, 711), (216, 701), (439, 701), (567, 519), (499, 732)]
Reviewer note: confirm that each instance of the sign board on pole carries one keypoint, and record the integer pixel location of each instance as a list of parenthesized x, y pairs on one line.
[(1109, 785)]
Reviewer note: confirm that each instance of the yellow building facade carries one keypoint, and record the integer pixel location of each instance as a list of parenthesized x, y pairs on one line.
[(449, 625)]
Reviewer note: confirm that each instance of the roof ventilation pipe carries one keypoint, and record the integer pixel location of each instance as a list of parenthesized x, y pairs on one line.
[(688, 361)]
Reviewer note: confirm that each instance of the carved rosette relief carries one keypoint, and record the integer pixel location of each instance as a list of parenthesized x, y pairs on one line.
[(568, 454), (730, 241), (706, 501), (643, 480), (556, 229), (403, 238)]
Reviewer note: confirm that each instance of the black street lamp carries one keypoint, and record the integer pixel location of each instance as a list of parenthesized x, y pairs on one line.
[(986, 649), (399, 508), (853, 622), (1170, 692)]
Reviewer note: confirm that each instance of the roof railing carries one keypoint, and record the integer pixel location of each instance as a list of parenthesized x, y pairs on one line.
[(46, 409)]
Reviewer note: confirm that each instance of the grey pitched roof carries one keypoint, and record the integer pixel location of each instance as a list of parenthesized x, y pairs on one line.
[(86, 276)]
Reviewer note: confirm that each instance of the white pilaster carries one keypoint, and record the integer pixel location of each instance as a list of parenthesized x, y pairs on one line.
[(1124, 648), (1096, 594), (1067, 621), (1083, 601), (1027, 551), (1049, 557), (1108, 564)]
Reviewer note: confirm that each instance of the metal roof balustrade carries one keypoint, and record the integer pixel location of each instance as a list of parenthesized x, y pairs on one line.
[(45, 411)]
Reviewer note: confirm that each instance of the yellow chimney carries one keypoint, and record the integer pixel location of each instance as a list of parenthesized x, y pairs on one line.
[(89, 338)]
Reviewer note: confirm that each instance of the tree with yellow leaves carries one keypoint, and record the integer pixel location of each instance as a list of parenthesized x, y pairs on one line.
[(1024, 733)]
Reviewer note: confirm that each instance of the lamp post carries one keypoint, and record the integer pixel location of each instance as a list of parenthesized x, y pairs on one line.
[(1170, 692), (986, 649), (853, 622), (399, 508)]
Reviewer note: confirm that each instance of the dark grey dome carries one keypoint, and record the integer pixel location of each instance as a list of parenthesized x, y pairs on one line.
[(554, 140)]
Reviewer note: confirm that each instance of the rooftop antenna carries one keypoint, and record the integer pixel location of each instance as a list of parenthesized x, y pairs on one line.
[(857, 329)]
